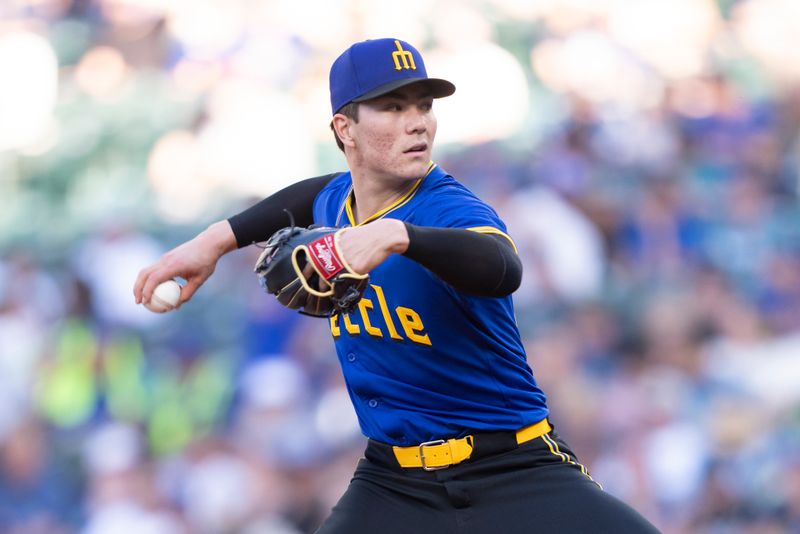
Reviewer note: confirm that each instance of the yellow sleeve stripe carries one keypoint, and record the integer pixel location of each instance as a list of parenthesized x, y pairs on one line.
[(493, 230)]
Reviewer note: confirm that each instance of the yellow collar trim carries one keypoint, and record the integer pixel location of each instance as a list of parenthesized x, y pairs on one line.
[(348, 203)]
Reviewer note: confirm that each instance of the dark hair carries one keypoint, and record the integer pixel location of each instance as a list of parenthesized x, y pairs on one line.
[(350, 111)]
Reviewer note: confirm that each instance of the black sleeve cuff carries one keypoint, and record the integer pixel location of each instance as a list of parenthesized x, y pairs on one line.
[(472, 262)]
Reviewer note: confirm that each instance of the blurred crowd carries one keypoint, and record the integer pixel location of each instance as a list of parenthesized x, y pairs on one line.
[(660, 304)]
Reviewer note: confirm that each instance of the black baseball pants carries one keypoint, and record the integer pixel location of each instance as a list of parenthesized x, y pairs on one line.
[(535, 487)]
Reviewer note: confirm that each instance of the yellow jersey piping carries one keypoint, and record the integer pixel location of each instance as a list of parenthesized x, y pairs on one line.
[(565, 457), (348, 205)]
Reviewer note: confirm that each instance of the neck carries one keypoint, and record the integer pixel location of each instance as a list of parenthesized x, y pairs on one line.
[(374, 194)]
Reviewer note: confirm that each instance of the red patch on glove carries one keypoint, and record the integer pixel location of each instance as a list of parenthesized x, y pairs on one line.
[(325, 256)]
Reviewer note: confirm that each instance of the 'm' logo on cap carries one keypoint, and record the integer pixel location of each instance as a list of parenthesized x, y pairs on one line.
[(403, 55)]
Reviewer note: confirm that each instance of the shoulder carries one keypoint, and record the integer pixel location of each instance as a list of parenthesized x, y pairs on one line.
[(440, 189), (446, 202), (330, 200), (338, 180), (440, 183), (338, 186)]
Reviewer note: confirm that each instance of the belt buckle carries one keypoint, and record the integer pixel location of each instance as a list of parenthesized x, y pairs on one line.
[(422, 455)]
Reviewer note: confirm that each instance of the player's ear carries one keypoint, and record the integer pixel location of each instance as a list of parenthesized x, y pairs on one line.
[(341, 125)]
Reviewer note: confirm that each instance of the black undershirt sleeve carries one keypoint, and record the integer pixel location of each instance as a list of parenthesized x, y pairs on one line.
[(258, 222), (475, 263), (478, 264)]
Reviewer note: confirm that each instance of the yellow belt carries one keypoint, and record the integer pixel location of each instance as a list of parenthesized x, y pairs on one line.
[(440, 453)]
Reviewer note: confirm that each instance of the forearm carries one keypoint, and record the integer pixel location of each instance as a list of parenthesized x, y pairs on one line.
[(219, 237), (475, 263), (261, 220)]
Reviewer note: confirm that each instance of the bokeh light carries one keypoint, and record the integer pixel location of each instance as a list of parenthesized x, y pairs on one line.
[(101, 72), (207, 28), (768, 29), (29, 88), (590, 64), (670, 35), (245, 122), (182, 191), (483, 108)]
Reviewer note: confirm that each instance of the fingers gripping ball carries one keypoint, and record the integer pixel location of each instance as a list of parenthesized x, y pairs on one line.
[(305, 270), (166, 297)]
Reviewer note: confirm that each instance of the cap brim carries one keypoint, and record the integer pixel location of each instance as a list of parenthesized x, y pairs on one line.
[(439, 88)]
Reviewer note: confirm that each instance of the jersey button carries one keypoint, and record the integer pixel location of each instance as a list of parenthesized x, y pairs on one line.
[(351, 357), (373, 403)]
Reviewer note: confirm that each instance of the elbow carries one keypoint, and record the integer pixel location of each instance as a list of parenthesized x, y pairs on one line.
[(510, 265), (512, 277)]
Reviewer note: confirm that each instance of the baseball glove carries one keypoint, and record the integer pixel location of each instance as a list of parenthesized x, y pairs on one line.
[(305, 270)]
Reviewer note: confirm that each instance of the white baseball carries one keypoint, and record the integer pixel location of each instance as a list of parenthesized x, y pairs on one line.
[(165, 297)]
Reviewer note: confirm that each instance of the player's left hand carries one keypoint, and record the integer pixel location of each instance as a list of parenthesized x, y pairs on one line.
[(365, 247)]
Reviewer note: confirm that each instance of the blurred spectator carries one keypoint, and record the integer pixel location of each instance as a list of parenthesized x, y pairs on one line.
[(561, 248), (103, 262), (29, 500)]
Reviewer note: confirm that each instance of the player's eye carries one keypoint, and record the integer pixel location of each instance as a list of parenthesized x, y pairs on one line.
[(393, 106)]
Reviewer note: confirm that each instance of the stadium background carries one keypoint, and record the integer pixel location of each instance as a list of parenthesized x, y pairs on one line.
[(644, 154)]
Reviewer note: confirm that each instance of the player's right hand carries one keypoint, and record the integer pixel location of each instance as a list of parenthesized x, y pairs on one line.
[(367, 246), (194, 261)]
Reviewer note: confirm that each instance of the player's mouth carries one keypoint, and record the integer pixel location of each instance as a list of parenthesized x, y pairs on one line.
[(417, 149)]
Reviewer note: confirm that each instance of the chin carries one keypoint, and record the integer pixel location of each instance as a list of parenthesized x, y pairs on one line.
[(407, 168), (417, 169)]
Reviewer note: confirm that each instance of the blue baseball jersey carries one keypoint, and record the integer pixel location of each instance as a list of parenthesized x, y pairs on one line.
[(421, 360)]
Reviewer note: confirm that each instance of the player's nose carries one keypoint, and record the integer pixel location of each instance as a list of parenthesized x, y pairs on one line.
[(417, 121)]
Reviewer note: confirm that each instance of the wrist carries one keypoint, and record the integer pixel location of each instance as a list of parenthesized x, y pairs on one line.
[(220, 238), (400, 236)]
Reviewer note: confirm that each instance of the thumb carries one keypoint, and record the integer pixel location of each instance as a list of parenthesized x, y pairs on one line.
[(189, 289)]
